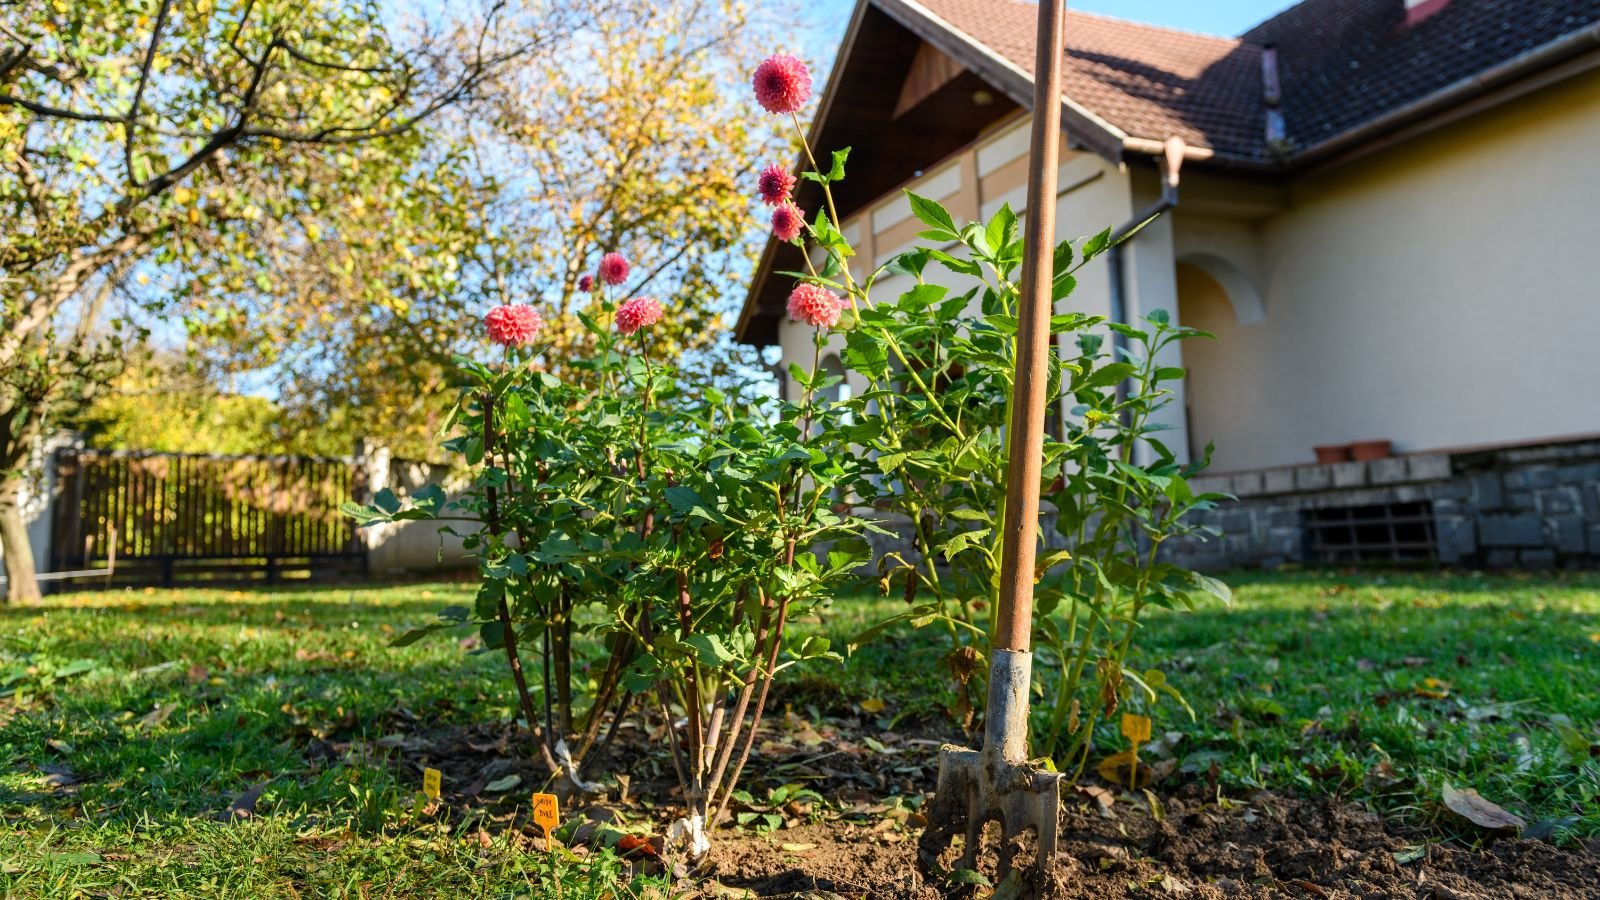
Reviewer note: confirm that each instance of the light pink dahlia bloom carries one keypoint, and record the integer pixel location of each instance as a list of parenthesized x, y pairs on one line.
[(637, 313), (815, 305), (513, 325), (782, 84), (613, 268)]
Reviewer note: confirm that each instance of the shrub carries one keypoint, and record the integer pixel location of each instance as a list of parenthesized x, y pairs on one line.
[(938, 367), (669, 521)]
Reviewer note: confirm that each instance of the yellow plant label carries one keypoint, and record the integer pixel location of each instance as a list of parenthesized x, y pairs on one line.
[(1135, 728), (546, 813), (430, 783)]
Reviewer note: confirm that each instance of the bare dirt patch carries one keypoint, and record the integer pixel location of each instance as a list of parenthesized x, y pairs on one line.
[(1266, 845), (860, 841)]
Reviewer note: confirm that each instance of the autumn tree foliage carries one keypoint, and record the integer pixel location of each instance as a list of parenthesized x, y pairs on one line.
[(621, 139), (137, 133)]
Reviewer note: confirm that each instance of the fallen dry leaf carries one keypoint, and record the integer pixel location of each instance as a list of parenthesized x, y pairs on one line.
[(244, 805), (59, 776), (1116, 769), (1102, 797), (1471, 805)]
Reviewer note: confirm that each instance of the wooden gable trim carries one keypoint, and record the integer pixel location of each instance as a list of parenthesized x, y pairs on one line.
[(930, 70)]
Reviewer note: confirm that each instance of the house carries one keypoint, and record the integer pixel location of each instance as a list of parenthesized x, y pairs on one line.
[(1388, 212)]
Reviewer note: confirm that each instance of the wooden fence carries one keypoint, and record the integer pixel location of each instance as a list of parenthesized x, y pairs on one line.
[(185, 517)]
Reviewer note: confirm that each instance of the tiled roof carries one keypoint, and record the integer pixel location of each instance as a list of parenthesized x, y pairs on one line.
[(1342, 63), (1345, 62), (1147, 81)]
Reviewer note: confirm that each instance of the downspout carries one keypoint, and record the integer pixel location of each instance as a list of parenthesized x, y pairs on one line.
[(1173, 160)]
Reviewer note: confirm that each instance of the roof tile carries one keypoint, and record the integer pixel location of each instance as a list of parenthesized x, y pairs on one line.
[(1342, 63)]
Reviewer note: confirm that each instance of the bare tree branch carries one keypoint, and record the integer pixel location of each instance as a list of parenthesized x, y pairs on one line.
[(131, 120)]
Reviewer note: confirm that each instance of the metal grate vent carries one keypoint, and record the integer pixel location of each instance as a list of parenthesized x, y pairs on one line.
[(1386, 533)]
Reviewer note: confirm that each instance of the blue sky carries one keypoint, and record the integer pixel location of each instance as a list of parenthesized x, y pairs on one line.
[(1222, 17)]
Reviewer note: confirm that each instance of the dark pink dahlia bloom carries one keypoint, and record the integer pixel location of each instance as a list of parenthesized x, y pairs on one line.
[(787, 221), (774, 185), (782, 84)]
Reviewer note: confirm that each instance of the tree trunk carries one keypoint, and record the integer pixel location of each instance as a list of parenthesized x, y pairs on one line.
[(21, 585)]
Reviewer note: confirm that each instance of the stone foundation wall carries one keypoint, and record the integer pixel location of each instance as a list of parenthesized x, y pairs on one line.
[(1535, 506)]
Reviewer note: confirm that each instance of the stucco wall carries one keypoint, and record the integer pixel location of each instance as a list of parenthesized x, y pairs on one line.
[(1443, 293)]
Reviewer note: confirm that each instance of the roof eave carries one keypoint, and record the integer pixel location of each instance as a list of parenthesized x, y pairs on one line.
[(1083, 125)]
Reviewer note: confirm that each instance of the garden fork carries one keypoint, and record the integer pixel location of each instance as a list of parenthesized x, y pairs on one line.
[(997, 783)]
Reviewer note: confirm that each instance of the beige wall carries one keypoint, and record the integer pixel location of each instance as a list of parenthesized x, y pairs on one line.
[(1443, 293)]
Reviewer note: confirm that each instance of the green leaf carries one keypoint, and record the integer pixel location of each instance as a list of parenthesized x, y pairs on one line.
[(1109, 374), (966, 540), (407, 638), (1096, 245), (801, 376), (1002, 229), (922, 296), (710, 650), (836, 173), (1213, 587), (386, 501), (1061, 262), (959, 266), (686, 503), (934, 215)]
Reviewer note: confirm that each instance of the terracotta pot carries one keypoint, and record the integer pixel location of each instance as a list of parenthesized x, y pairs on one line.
[(1369, 450), (1332, 453)]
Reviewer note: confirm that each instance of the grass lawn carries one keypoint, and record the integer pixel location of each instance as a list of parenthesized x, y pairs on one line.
[(129, 722)]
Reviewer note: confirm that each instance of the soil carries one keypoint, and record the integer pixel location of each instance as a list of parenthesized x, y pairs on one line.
[(861, 842), (1267, 845)]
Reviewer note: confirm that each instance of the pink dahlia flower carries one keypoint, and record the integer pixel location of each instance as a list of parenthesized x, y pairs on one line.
[(815, 305), (586, 283), (787, 221), (637, 313), (774, 185), (782, 84), (513, 325), (613, 268)]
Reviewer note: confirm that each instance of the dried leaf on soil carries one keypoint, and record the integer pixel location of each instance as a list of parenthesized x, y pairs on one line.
[(1472, 806), (500, 785), (1117, 767)]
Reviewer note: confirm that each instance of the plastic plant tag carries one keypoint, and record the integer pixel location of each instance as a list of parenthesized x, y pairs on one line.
[(430, 783), (1135, 728), (546, 812)]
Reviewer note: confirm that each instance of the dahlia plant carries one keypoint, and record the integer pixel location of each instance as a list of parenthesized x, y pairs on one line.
[(938, 371), (669, 522)]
